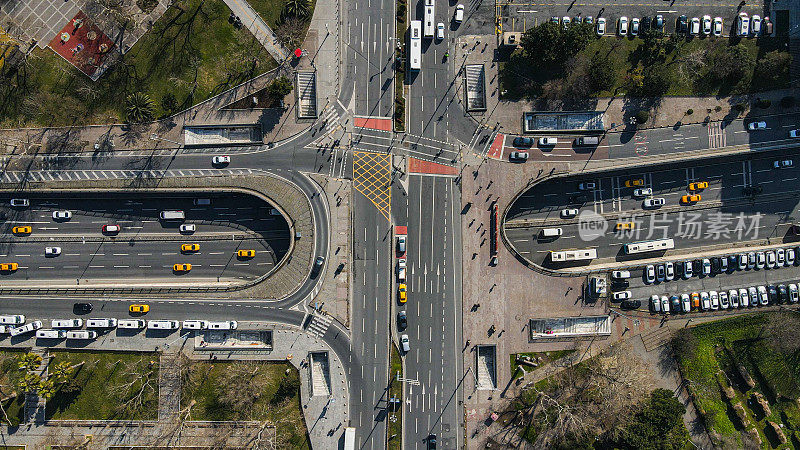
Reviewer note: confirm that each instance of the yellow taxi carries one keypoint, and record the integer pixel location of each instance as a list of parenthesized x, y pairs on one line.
[(181, 268), (689, 199), (698, 186), (190, 248), (139, 309), (625, 226), (246, 253), (8, 267), (401, 292), (22, 230), (634, 182)]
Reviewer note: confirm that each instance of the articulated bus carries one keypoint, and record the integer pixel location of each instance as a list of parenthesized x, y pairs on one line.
[(649, 246), (415, 36), (573, 255)]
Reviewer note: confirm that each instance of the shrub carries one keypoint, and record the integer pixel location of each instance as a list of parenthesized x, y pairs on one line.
[(689, 112), (740, 107), (718, 108), (642, 116), (763, 103)]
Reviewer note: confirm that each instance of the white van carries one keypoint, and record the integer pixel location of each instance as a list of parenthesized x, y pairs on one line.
[(51, 334), (101, 323), (552, 232), (195, 324), (5, 329), (81, 334), (202, 201), (136, 324), (66, 323), (162, 324), (33, 326), (587, 140), (15, 319), (225, 325), (172, 215), (401, 274)]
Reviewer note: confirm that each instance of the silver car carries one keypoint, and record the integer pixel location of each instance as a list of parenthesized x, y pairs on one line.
[(753, 294), (761, 260), (714, 296), (670, 268)]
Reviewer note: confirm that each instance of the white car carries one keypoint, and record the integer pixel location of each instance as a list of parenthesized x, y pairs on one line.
[(655, 303), (62, 215), (733, 296), (771, 260), (794, 133), (620, 274), (664, 304), (753, 126), (622, 26), (789, 257), (793, 293), (706, 267), (782, 164), (642, 192), (404, 343), (761, 260), (780, 257), (717, 27), (653, 202), (694, 26), (548, 141), (742, 261), (714, 296), (601, 26), (565, 21), (52, 251), (624, 295), (744, 298), (742, 25), (685, 303), (187, 228), (223, 160), (687, 270), (763, 298), (705, 301), (440, 31), (755, 25), (670, 268), (20, 202), (569, 212), (650, 273), (706, 25), (459, 13)]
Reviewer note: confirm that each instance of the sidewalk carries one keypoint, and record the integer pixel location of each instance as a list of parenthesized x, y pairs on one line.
[(260, 30)]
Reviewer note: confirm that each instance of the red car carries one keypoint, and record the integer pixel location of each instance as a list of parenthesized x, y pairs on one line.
[(111, 229)]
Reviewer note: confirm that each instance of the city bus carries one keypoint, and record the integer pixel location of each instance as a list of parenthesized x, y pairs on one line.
[(649, 246), (430, 25), (573, 255), (415, 36), (349, 438)]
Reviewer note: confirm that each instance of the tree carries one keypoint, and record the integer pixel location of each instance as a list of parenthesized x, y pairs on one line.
[(730, 64), (139, 107), (296, 8), (169, 104), (29, 362), (773, 68), (290, 32), (659, 424), (602, 73), (549, 44), (288, 387), (279, 88)]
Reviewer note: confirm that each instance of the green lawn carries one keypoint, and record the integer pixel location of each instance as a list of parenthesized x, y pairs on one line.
[(396, 390), (107, 386), (708, 356), (192, 53), (9, 375), (252, 390)]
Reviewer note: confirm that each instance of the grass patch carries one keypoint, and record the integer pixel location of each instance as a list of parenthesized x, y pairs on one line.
[(106, 386), (541, 358), (251, 390), (192, 53), (395, 432), (13, 400)]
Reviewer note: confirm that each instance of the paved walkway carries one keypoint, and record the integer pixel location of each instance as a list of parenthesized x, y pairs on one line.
[(261, 31)]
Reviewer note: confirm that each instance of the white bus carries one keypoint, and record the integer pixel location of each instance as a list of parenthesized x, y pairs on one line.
[(573, 255), (415, 35), (649, 246), (349, 438), (430, 25)]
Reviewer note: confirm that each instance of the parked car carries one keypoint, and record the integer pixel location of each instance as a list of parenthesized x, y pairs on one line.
[(522, 141), (763, 299), (682, 24), (714, 297), (601, 26), (755, 126), (675, 304), (705, 301), (718, 26), (624, 295), (706, 25), (664, 304), (622, 26), (706, 267), (548, 141), (620, 274), (634, 26), (761, 260), (631, 304), (723, 300), (742, 25), (755, 25), (771, 260), (793, 293), (744, 298), (686, 304), (459, 13), (404, 343), (655, 304), (220, 160), (670, 269), (733, 297), (694, 26), (661, 273), (650, 274), (518, 156), (642, 192), (687, 270), (402, 320)]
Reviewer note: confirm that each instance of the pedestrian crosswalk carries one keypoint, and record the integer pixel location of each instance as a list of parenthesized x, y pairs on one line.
[(716, 135), (78, 175), (319, 325)]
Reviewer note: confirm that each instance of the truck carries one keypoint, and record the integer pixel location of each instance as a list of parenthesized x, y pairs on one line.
[(349, 438)]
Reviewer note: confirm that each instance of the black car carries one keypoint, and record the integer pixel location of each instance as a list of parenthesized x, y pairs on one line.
[(82, 308), (658, 22), (682, 24), (317, 266), (645, 24), (772, 295), (620, 285), (783, 294), (630, 304), (752, 190), (697, 267), (523, 142), (675, 306), (402, 320), (715, 265), (431, 442)]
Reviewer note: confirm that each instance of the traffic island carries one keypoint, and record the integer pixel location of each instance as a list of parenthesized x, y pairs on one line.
[(394, 433), (400, 26)]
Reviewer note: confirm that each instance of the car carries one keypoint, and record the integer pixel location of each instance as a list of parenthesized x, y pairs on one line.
[(568, 213), (742, 261), (625, 226), (190, 248), (755, 25), (402, 320), (782, 164), (459, 13), (705, 301), (577, 19), (714, 297), (664, 304), (686, 304), (111, 229), (706, 267), (794, 133), (780, 257), (661, 273), (630, 304), (682, 24), (653, 202), (751, 260), (723, 265), (655, 303), (697, 267), (245, 253), (744, 298), (783, 294), (548, 141), (658, 22), (790, 257), (650, 274), (554, 19), (620, 285), (522, 141), (578, 199), (431, 441), (694, 26), (772, 292), (771, 260), (753, 294), (181, 268), (139, 308), (675, 304), (718, 26), (687, 270), (220, 160), (695, 300), (518, 156), (622, 26), (691, 199), (565, 21), (634, 182), (634, 26), (20, 202), (589, 20), (733, 296), (402, 292), (22, 230), (698, 186), (793, 293), (761, 260), (754, 126), (723, 300), (404, 345), (440, 31), (601, 26), (187, 228), (9, 267), (642, 192), (670, 271), (742, 24), (715, 264), (401, 245), (587, 186), (52, 251), (319, 262), (752, 190), (706, 25), (763, 299), (82, 308), (62, 215), (623, 295), (620, 274)]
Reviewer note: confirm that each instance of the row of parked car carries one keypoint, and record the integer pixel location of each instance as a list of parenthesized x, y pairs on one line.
[(732, 299), (706, 25)]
